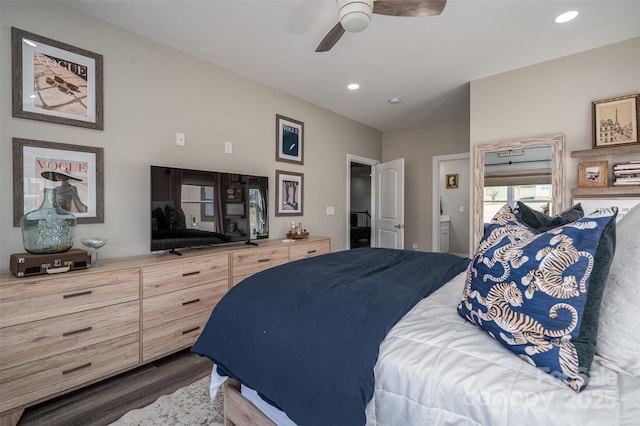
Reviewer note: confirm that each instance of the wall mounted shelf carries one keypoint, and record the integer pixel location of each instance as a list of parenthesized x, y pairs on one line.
[(601, 152)]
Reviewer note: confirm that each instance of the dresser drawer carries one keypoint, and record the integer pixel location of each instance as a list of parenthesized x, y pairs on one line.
[(168, 307), (40, 339), (299, 250), (33, 299), (248, 262), (37, 380), (175, 275), (172, 336)]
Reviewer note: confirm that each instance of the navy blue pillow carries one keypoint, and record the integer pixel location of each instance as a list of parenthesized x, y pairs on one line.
[(539, 294), (541, 222)]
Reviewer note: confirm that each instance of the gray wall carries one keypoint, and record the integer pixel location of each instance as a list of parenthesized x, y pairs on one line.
[(418, 145), (554, 97), (153, 91)]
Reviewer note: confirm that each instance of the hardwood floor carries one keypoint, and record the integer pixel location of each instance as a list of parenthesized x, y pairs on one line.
[(107, 401)]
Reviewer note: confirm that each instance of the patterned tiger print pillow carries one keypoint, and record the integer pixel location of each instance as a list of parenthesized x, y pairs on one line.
[(539, 294)]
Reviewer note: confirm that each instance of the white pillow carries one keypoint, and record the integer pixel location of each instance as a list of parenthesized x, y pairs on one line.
[(618, 338)]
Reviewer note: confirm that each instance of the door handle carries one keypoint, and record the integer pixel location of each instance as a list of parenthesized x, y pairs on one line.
[(399, 226)]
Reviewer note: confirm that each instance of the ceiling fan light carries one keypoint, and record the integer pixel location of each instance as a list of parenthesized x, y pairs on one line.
[(355, 16)]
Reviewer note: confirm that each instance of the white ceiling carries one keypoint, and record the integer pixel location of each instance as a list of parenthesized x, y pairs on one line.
[(426, 61)]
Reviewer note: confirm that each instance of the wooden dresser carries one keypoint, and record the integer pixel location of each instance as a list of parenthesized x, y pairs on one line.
[(59, 333)]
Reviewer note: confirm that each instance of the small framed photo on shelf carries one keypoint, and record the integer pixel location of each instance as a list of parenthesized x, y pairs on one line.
[(593, 174), (615, 121), (452, 181), (289, 140), (289, 195)]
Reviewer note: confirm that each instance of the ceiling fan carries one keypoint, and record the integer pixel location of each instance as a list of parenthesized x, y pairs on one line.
[(355, 15)]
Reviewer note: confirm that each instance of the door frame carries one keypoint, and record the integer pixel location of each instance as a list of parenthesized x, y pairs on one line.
[(369, 162), (435, 201)]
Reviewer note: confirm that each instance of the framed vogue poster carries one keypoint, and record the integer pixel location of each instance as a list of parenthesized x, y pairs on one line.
[(76, 171), (289, 140), (55, 82), (289, 193)]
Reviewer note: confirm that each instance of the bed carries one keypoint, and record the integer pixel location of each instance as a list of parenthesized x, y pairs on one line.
[(435, 366)]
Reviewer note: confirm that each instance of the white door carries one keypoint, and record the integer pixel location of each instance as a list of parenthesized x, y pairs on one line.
[(388, 226)]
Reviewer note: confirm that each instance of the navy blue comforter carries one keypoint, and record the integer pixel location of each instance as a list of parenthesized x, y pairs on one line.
[(306, 334)]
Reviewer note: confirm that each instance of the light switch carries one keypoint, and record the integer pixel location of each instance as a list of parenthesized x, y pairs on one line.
[(180, 139), (228, 147)]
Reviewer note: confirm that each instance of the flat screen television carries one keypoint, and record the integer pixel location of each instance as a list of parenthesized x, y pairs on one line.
[(198, 208)]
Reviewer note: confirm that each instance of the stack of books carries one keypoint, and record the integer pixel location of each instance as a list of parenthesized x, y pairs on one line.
[(626, 173)]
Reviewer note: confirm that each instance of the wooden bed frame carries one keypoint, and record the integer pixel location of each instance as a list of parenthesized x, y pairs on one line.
[(238, 410)]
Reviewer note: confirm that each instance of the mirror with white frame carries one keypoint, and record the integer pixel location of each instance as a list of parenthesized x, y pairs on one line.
[(527, 170)]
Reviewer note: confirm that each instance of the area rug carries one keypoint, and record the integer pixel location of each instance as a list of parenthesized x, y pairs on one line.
[(188, 406)]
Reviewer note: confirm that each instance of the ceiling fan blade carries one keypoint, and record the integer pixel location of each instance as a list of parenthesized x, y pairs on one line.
[(331, 38), (409, 7)]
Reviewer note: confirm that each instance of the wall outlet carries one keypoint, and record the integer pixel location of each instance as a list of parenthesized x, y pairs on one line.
[(228, 147), (331, 210)]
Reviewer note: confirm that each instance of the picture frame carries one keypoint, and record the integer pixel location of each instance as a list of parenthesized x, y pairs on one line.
[(615, 121), (77, 169), (452, 181), (56, 82), (289, 140), (624, 205), (234, 193), (289, 193), (234, 209), (593, 174)]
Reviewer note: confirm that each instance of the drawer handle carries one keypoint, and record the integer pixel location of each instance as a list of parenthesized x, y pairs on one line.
[(311, 251), (190, 302), (190, 330), (264, 260), (71, 333), (186, 274), (82, 293), (80, 367)]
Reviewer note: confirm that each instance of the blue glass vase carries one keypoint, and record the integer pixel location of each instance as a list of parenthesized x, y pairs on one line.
[(49, 228)]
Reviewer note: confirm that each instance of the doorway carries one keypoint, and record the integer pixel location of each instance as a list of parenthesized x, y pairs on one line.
[(451, 203), (359, 201)]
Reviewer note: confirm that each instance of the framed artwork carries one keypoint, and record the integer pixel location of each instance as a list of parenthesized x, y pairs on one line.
[(55, 82), (77, 171), (624, 205), (289, 193), (452, 181), (615, 121), (289, 140), (234, 209), (593, 173)]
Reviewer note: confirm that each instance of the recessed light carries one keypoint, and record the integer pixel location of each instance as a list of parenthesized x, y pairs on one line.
[(353, 86), (566, 17)]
